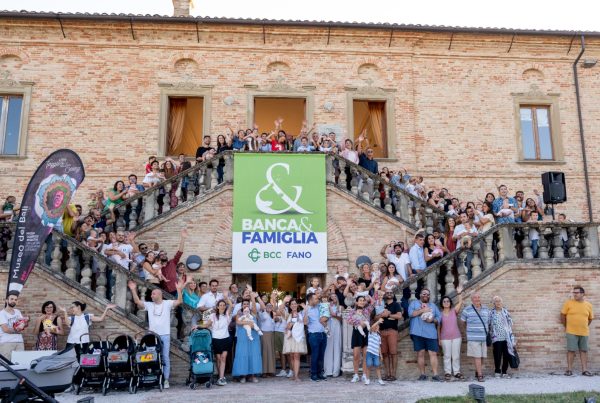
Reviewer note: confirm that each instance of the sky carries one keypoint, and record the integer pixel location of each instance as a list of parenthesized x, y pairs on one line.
[(574, 15)]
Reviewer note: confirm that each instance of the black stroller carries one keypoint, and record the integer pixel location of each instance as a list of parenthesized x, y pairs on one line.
[(120, 363), (148, 362), (92, 364)]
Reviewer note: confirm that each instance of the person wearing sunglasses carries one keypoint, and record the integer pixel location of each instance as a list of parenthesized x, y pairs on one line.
[(424, 317)]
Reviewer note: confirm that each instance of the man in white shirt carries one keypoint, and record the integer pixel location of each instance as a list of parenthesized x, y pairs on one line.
[(11, 338), (159, 319), (154, 177), (399, 258), (209, 300), (120, 251)]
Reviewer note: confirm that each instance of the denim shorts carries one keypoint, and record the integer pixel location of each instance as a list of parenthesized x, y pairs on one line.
[(423, 343), (372, 360)]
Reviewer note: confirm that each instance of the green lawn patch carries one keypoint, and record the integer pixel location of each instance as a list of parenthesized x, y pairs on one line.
[(571, 397)]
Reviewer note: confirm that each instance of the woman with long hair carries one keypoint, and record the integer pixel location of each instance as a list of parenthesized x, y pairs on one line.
[(223, 144), (47, 327), (170, 169), (391, 280), (294, 343), (450, 337), (449, 231), (333, 351), (152, 269), (247, 361), (266, 323), (359, 317), (218, 323)]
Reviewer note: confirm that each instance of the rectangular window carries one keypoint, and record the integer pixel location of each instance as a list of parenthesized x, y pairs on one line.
[(11, 107), (291, 110), (184, 125), (536, 133), (371, 115)]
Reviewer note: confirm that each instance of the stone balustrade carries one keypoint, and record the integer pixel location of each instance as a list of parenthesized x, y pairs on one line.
[(382, 194)]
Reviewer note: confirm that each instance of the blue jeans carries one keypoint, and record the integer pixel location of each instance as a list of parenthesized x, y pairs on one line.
[(534, 247), (318, 342), (166, 345)]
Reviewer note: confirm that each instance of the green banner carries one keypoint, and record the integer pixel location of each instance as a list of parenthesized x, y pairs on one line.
[(279, 213)]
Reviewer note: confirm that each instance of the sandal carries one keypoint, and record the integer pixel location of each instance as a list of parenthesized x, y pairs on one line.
[(480, 378), (586, 373), (447, 377), (568, 372), (459, 376)]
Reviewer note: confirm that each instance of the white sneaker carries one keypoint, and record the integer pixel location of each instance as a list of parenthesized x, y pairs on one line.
[(355, 378), (380, 381), (166, 384), (364, 378), (367, 381), (290, 374), (282, 373), (496, 375)]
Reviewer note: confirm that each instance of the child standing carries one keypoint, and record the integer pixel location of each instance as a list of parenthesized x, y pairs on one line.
[(374, 353), (315, 285)]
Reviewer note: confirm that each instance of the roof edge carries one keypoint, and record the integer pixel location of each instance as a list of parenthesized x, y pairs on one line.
[(291, 23)]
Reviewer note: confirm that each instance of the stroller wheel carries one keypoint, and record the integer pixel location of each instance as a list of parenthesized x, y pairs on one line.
[(104, 390), (132, 389), (193, 386), (208, 385), (77, 389)]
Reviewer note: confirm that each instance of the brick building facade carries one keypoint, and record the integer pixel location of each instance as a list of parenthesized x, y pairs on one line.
[(101, 85)]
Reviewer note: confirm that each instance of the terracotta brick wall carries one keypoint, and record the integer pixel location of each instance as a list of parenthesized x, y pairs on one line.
[(534, 295), (97, 91)]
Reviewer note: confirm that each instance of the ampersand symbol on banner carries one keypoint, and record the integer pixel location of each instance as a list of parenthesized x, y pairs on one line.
[(265, 205)]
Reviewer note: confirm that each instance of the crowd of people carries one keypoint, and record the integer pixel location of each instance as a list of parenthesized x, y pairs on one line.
[(257, 330)]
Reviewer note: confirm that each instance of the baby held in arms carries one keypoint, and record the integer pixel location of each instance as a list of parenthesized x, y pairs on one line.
[(247, 316)]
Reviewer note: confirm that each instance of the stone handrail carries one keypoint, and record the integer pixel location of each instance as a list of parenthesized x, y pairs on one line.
[(498, 245), (149, 204), (77, 262), (412, 210)]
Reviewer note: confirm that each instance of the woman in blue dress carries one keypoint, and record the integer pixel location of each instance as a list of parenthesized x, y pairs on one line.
[(247, 362)]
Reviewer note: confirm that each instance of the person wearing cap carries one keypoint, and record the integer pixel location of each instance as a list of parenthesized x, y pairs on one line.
[(11, 338)]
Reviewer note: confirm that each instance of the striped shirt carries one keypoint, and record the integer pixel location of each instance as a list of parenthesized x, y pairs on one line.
[(373, 343), (475, 329)]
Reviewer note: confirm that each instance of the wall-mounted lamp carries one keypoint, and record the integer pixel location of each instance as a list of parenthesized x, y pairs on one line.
[(589, 63), (328, 106)]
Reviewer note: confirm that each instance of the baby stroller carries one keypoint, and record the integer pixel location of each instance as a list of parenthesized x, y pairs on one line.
[(92, 364), (148, 362), (201, 359), (119, 362)]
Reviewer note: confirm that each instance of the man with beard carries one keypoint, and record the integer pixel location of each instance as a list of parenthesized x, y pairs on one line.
[(424, 317), (12, 326), (391, 314)]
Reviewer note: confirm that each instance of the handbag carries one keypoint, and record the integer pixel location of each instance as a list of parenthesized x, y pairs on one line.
[(514, 360), (488, 336)]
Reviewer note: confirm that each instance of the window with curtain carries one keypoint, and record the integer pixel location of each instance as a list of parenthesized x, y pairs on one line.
[(11, 107), (371, 115), (536, 132), (184, 125)]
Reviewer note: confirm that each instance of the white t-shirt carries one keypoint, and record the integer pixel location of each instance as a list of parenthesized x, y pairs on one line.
[(159, 317), (209, 300), (79, 328), (313, 290), (400, 263), (281, 325), (9, 320), (461, 228), (152, 179), (219, 328)]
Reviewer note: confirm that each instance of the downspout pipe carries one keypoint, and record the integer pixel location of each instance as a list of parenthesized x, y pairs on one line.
[(581, 136)]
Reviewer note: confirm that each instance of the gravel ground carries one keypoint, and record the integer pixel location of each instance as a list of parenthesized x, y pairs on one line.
[(340, 389)]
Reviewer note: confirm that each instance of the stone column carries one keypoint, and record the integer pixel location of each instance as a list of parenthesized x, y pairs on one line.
[(347, 354)]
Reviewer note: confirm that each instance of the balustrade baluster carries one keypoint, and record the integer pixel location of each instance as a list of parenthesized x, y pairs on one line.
[(367, 187), (56, 263), (133, 215), (167, 198), (329, 170), (120, 289), (461, 268), (526, 244), (354, 181), (543, 243), (129, 305), (120, 223), (417, 218), (488, 251), (142, 289), (413, 291), (101, 278), (557, 251), (150, 206), (387, 202), (86, 271), (586, 234), (449, 278), (501, 252), (572, 242), (429, 220), (228, 168), (403, 209), (432, 284), (214, 176), (342, 178), (476, 261), (186, 315), (202, 180), (71, 272)]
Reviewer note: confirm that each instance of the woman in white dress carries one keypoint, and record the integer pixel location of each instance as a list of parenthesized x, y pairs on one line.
[(294, 342), (333, 351)]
